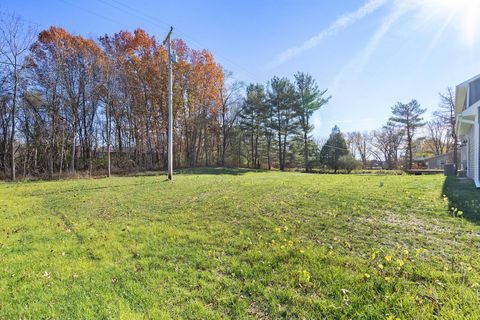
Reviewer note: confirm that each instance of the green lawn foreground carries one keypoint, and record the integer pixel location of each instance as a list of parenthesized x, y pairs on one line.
[(241, 245)]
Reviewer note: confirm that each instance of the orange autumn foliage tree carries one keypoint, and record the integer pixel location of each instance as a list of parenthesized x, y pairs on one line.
[(86, 94)]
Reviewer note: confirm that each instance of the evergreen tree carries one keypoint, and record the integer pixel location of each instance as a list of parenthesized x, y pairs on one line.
[(310, 100), (283, 102), (409, 118), (267, 128), (334, 148), (251, 119)]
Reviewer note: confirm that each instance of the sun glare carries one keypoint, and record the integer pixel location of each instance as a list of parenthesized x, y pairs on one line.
[(464, 16)]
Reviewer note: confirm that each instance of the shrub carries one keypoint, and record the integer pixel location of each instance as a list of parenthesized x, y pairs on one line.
[(348, 163)]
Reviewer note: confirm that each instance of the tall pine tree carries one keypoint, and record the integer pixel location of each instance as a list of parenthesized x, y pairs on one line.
[(408, 117), (283, 101), (310, 100), (251, 119), (334, 148)]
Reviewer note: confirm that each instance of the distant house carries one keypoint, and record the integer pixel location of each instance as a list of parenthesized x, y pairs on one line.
[(420, 163), (467, 111), (439, 161)]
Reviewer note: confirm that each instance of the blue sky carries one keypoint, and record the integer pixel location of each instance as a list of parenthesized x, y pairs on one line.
[(368, 53)]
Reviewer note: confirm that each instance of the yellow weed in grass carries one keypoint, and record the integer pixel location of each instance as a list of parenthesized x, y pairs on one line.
[(304, 277), (420, 251), (400, 263)]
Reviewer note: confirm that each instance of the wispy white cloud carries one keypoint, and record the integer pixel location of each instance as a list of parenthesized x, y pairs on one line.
[(357, 64), (437, 38), (380, 33), (336, 26)]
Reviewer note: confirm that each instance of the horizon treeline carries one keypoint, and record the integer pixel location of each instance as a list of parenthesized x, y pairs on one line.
[(67, 97), (68, 104)]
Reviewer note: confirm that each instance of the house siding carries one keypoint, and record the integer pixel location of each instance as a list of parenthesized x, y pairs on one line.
[(477, 148), (471, 153), (469, 119)]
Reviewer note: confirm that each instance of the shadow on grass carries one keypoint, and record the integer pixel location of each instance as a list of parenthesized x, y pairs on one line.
[(216, 170), (463, 195), (210, 171)]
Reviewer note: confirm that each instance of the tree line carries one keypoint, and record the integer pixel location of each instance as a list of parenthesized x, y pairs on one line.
[(70, 104), (407, 136), (276, 120)]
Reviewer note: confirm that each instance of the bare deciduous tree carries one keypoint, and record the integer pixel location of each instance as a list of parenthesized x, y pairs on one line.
[(387, 142), (438, 139), (16, 39), (446, 113)]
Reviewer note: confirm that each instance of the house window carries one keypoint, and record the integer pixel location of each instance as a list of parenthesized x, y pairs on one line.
[(474, 92)]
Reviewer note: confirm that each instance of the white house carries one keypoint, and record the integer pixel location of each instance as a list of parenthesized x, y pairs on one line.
[(467, 111)]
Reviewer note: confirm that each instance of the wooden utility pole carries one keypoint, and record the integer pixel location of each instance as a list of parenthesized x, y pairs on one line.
[(168, 42)]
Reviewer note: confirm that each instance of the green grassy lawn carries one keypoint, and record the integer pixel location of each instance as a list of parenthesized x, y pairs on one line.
[(240, 245)]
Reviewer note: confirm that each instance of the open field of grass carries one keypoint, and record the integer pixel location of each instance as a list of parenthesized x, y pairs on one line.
[(239, 244)]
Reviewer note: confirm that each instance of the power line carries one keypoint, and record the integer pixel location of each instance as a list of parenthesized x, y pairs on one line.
[(130, 9), (334, 147), (157, 22), (94, 13), (13, 14)]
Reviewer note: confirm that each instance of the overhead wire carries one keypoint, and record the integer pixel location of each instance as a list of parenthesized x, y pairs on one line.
[(160, 23)]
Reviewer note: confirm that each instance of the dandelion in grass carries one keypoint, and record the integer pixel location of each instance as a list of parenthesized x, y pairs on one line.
[(400, 263), (420, 251), (304, 277)]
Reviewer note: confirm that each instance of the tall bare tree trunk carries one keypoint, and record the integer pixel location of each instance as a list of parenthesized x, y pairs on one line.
[(74, 147), (14, 111), (62, 151), (108, 139), (305, 151)]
